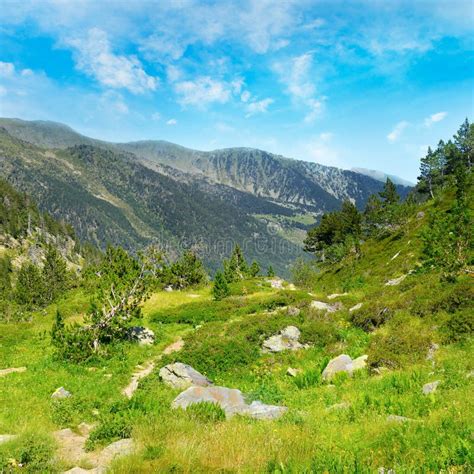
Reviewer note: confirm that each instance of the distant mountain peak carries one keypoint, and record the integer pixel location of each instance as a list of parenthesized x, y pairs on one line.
[(381, 176)]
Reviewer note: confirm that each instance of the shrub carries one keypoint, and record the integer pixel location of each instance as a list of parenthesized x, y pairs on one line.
[(459, 326), (304, 273), (369, 319), (403, 341)]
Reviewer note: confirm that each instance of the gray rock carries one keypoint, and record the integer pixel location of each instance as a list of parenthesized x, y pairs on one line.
[(430, 387), (336, 295), (420, 215), (168, 289), (293, 311), (292, 372), (286, 340), (343, 363), (230, 400), (180, 375), (398, 419), (329, 308), (276, 283), (61, 393), (142, 335), (395, 281), (355, 307), (432, 351), (5, 438), (122, 447)]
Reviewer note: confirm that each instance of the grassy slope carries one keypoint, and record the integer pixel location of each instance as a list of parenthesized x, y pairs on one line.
[(224, 344)]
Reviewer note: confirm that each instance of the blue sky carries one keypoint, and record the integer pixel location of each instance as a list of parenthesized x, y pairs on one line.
[(352, 84)]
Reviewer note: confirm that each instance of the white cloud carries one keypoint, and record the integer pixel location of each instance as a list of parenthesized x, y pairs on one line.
[(173, 73), (202, 91), (245, 96), (258, 106), (320, 150), (113, 102), (295, 74), (156, 116), (6, 69), (434, 118), (397, 131), (95, 57), (171, 122)]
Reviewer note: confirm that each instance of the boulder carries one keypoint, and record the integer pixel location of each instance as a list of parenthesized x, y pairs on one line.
[(230, 400), (329, 308), (168, 289), (61, 393), (122, 447), (143, 336), (420, 215), (276, 283), (343, 363), (292, 372), (355, 307), (430, 387), (293, 311), (180, 375), (5, 438), (395, 281), (336, 295), (288, 339)]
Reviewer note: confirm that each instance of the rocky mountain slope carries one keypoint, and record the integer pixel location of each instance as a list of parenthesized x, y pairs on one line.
[(135, 193)]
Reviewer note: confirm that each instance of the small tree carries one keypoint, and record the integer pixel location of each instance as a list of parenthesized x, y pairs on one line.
[(254, 269), (29, 286), (389, 193), (221, 289), (54, 275), (187, 271), (236, 267), (270, 272)]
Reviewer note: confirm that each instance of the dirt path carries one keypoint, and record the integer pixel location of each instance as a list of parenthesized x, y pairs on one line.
[(146, 369)]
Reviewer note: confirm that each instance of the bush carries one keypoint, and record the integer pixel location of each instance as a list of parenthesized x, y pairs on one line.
[(369, 319), (304, 273), (403, 341), (459, 326)]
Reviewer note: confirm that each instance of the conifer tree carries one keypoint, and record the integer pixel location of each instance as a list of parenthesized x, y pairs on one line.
[(29, 286), (270, 272), (389, 193), (254, 269), (221, 289), (54, 275)]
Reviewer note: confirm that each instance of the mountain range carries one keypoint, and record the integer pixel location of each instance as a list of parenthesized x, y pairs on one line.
[(137, 193)]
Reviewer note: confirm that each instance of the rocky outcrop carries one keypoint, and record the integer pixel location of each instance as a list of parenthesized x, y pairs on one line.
[(336, 295), (293, 311), (343, 363), (287, 340), (143, 336), (395, 281), (329, 308), (276, 283), (355, 307), (180, 375), (61, 393), (430, 387), (230, 400)]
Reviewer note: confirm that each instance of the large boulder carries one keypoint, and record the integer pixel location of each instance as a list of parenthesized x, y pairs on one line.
[(288, 339), (343, 363), (180, 375), (141, 335), (231, 400)]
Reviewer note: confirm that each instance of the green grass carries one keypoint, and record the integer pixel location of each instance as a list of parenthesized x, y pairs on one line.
[(395, 327)]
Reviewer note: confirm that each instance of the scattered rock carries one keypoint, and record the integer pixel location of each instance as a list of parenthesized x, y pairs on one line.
[(230, 400), (336, 295), (291, 287), (398, 419), (71, 446), (339, 406), (5, 438), (122, 447), (140, 373), (292, 372), (395, 281), (61, 393), (432, 351), (168, 289), (430, 387), (420, 215), (355, 307), (180, 375), (11, 370), (288, 339), (293, 311), (343, 363), (321, 306), (276, 283), (142, 335)]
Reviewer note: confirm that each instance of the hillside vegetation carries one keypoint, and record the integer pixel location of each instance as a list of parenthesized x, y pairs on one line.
[(393, 283)]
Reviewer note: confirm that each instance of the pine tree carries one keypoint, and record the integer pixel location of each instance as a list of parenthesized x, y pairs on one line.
[(236, 267), (463, 140), (254, 269), (29, 286), (389, 193), (5, 277), (54, 274), (221, 289), (270, 272), (57, 331)]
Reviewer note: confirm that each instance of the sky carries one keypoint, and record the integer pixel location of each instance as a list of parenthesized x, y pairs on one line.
[(367, 83)]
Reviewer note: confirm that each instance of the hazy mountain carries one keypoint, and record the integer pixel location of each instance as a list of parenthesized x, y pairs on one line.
[(135, 193), (381, 176)]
